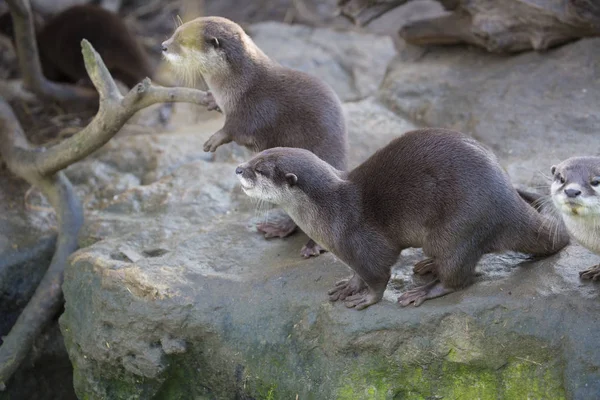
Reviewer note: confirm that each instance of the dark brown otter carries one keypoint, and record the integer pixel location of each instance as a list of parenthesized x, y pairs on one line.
[(59, 45), (432, 188), (265, 104)]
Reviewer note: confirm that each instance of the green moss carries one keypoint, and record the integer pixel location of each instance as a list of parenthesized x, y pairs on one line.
[(529, 380), (450, 380), (371, 386)]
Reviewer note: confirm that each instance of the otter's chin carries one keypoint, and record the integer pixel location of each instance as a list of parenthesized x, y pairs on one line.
[(172, 58)]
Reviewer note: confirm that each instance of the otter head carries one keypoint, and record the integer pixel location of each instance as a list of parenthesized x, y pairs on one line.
[(270, 175), (576, 187), (284, 175), (208, 45)]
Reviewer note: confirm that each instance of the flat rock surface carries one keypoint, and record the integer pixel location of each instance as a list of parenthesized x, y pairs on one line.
[(175, 295)]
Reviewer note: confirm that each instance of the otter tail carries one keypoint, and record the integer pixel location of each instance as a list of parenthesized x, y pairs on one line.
[(544, 232)]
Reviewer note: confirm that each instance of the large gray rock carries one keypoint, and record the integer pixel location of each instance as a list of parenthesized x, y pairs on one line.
[(177, 296), (533, 110), (352, 63)]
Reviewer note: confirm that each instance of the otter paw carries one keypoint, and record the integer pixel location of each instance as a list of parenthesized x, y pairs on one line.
[(424, 267), (211, 104), (346, 288), (216, 140), (311, 249), (363, 300), (592, 273), (277, 229), (419, 294)]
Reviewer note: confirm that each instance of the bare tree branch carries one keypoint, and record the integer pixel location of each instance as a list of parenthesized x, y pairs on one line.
[(114, 111), (47, 299), (41, 167), (29, 61)]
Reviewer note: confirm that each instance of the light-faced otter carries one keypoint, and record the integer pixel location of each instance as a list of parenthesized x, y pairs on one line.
[(575, 193), (431, 188), (265, 104), (59, 45)]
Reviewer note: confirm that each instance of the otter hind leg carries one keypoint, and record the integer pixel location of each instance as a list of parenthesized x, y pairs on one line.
[(592, 273), (454, 270)]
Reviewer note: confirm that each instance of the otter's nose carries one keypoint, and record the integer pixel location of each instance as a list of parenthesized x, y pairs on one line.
[(239, 170), (572, 192), (164, 46)]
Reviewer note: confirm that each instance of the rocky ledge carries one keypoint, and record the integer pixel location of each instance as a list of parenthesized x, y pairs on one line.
[(175, 296)]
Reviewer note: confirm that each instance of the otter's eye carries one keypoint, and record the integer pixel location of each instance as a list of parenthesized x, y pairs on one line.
[(260, 171), (560, 178), (595, 182)]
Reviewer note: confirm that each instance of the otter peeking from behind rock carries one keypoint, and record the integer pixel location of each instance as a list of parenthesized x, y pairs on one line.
[(59, 45), (431, 188), (265, 104), (575, 191)]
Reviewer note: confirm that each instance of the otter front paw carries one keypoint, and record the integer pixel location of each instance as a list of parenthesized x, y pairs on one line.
[(346, 288), (363, 300), (216, 140), (211, 102), (311, 249), (419, 294), (592, 273)]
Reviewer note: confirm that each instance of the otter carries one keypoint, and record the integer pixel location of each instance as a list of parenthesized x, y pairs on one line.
[(265, 104), (575, 192), (432, 188), (59, 45)]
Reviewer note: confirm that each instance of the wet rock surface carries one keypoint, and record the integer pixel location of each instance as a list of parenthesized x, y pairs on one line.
[(174, 294)]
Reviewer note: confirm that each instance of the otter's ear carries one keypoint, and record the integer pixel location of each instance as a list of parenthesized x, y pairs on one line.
[(553, 169), (215, 42), (291, 179)]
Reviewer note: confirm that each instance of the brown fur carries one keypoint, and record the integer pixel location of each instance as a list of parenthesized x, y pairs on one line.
[(265, 104), (59, 45), (431, 188)]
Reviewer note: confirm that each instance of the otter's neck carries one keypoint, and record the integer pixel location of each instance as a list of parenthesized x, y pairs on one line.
[(585, 229), (245, 70), (326, 211)]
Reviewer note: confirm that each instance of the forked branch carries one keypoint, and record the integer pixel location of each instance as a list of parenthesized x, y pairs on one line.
[(114, 111), (41, 167)]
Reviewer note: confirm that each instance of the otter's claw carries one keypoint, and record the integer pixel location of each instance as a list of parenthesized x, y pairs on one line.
[(592, 273), (211, 103), (216, 140)]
